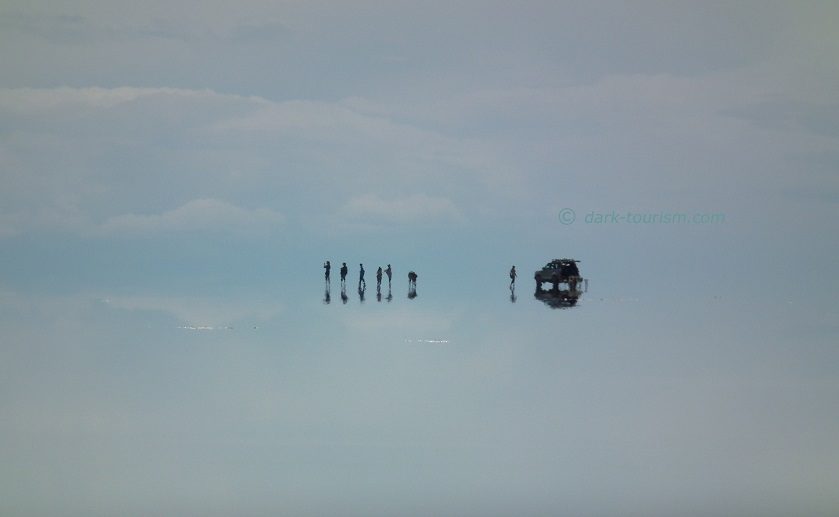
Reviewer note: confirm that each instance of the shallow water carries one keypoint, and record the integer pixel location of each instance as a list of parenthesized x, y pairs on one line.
[(447, 403)]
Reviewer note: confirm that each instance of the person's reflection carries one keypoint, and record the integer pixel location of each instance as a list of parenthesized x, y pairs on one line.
[(389, 295), (361, 290), (344, 296), (412, 285), (513, 297), (327, 296), (378, 295)]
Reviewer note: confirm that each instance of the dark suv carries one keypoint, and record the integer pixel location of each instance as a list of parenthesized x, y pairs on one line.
[(558, 271)]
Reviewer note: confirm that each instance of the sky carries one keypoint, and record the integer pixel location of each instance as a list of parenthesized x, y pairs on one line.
[(173, 165)]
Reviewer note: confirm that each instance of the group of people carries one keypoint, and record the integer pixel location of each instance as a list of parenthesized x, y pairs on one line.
[(362, 284)]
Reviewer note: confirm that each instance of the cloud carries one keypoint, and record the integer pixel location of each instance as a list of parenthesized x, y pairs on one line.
[(200, 312), (28, 99), (349, 129), (197, 215), (263, 32), (417, 208), (120, 146), (99, 153), (788, 115), (409, 322)]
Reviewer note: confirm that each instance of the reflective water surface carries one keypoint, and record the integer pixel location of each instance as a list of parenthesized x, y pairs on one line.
[(403, 403)]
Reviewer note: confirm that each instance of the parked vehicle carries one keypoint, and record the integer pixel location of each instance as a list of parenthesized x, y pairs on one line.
[(558, 271)]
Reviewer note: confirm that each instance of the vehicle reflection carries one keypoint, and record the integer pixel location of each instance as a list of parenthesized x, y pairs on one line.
[(559, 298)]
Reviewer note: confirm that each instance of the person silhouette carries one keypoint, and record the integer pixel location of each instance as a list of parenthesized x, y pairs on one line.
[(327, 267), (389, 272), (361, 276), (344, 274), (379, 279), (513, 277)]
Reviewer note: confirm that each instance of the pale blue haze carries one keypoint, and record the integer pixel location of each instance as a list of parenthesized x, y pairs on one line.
[(173, 175)]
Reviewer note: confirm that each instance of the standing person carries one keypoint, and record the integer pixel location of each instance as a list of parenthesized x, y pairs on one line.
[(344, 275), (379, 279), (512, 277), (389, 273), (327, 267), (361, 276)]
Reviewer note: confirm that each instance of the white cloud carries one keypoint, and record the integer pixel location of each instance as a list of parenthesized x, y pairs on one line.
[(28, 99), (417, 208), (205, 145), (374, 134), (200, 312), (411, 322), (70, 151), (197, 215)]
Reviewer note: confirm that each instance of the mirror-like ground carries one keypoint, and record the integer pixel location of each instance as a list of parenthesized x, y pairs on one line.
[(458, 403)]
